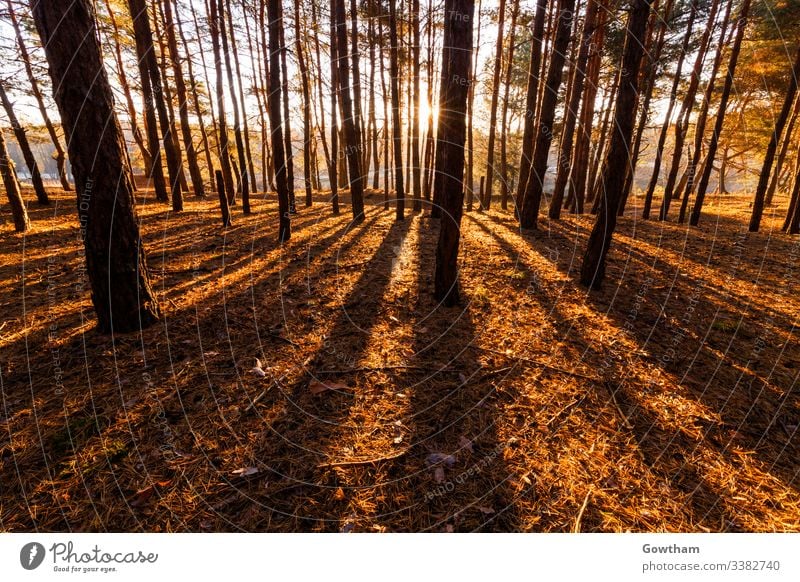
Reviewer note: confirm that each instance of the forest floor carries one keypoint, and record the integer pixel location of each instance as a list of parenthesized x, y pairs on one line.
[(667, 401)]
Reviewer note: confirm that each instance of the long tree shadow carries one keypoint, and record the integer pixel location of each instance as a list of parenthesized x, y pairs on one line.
[(679, 456)]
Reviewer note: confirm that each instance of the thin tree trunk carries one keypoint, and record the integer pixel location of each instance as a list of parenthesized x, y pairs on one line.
[(682, 124), (531, 100), (702, 117), (154, 99), (226, 34), (276, 49), (397, 144), (168, 101), (769, 157), (416, 68), (744, 10), (287, 121), (60, 156), (198, 113), (245, 128), (11, 184), (787, 141), (512, 37), (222, 125), (301, 63), (571, 113), (25, 147), (580, 161), (334, 177), (180, 87), (529, 214), (498, 61), (614, 168)]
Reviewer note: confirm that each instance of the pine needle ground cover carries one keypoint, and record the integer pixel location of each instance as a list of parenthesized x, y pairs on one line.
[(317, 386)]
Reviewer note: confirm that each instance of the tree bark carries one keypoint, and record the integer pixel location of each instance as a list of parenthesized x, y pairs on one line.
[(115, 258), (22, 139), (60, 156), (571, 113), (615, 165), (532, 99), (452, 115), (529, 214), (183, 101), (153, 95), (276, 48), (226, 34), (222, 125), (301, 63), (682, 124), (769, 157), (744, 10), (498, 61), (396, 137), (504, 179)]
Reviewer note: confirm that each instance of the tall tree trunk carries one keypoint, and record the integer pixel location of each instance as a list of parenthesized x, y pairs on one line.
[(651, 58), (386, 137), (334, 177), (115, 258), (682, 124), (529, 214), (769, 157), (25, 147), (60, 157), (245, 128), (163, 76), (531, 100), (744, 10), (354, 55), (416, 68), (276, 48), (323, 131), (702, 117), (779, 164), (580, 160), (504, 179), (301, 63), (571, 113), (397, 139), (227, 35), (153, 95), (11, 184), (352, 136), (498, 61), (615, 166), (222, 125), (131, 107), (792, 222), (452, 115), (198, 113), (287, 124), (183, 101)]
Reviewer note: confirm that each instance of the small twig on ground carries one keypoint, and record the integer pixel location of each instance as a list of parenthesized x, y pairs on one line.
[(357, 462), (384, 368), (537, 363), (577, 527)]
